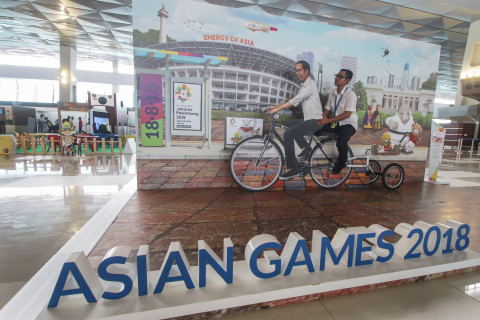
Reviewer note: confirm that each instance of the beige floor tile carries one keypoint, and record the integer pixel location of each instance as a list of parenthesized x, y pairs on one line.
[(462, 280), (432, 299), (468, 283), (8, 290), (313, 310), (41, 210)]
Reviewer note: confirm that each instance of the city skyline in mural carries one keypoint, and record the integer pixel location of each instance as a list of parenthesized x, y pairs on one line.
[(330, 46)]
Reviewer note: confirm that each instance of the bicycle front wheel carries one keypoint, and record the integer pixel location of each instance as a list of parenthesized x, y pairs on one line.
[(256, 165), (393, 176), (322, 162)]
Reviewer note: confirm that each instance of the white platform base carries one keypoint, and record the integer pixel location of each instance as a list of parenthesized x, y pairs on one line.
[(246, 289)]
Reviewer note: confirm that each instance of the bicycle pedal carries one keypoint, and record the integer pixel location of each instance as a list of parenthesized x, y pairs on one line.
[(303, 174), (303, 165), (304, 169)]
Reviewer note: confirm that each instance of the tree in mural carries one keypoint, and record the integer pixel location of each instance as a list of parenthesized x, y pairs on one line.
[(427, 104), (146, 39), (359, 89), (430, 84)]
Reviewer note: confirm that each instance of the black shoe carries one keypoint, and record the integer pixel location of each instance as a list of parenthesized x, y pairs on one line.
[(295, 172), (337, 168), (305, 152)]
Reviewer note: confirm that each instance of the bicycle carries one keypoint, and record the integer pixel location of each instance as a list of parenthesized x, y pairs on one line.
[(257, 162)]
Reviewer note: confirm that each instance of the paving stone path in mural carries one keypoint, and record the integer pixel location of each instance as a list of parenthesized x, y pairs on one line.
[(362, 137)]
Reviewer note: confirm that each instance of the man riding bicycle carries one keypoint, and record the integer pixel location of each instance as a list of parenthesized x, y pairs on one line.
[(343, 102), (309, 97)]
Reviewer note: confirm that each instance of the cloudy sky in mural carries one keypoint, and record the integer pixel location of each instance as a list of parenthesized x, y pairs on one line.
[(191, 20)]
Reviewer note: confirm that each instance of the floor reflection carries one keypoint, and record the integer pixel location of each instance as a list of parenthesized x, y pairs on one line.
[(473, 290), (68, 166), (45, 200)]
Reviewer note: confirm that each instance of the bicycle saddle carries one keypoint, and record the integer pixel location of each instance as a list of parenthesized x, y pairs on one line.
[(324, 133)]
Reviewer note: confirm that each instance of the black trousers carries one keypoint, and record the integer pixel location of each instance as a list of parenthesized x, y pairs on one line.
[(296, 131), (344, 133)]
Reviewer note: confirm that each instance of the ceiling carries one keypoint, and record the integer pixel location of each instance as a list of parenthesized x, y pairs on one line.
[(103, 28), (97, 28)]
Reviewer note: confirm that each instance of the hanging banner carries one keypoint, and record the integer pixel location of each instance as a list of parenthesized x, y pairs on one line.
[(151, 109), (436, 149)]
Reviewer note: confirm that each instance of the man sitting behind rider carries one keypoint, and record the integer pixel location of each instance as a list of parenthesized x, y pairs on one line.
[(342, 104), (309, 97)]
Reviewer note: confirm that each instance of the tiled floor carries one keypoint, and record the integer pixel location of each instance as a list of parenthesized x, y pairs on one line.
[(44, 202), (433, 299), (159, 217)]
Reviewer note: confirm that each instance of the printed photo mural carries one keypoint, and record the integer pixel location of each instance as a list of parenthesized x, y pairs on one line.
[(394, 78)]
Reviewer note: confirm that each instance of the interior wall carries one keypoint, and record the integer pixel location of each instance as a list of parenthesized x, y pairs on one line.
[(20, 117), (471, 50)]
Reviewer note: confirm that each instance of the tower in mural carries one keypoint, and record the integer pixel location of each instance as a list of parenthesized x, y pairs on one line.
[(405, 76), (307, 56), (391, 80), (163, 14), (351, 64), (415, 83)]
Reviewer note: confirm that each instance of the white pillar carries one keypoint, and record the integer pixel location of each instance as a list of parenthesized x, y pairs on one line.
[(471, 60), (115, 72), (68, 71)]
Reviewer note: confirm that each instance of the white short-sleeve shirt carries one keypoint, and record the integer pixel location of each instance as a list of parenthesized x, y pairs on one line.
[(348, 102)]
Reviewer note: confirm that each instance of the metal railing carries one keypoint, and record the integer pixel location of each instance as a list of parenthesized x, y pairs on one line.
[(459, 148)]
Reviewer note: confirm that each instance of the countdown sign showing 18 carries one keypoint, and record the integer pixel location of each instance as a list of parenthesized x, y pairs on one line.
[(151, 109)]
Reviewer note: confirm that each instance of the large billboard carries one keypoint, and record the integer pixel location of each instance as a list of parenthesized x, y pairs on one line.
[(394, 78)]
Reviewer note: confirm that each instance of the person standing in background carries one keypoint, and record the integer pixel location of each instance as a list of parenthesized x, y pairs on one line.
[(41, 124), (80, 125)]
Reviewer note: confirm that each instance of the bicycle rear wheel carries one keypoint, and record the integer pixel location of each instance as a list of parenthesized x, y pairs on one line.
[(374, 170), (393, 176), (322, 162), (256, 166)]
